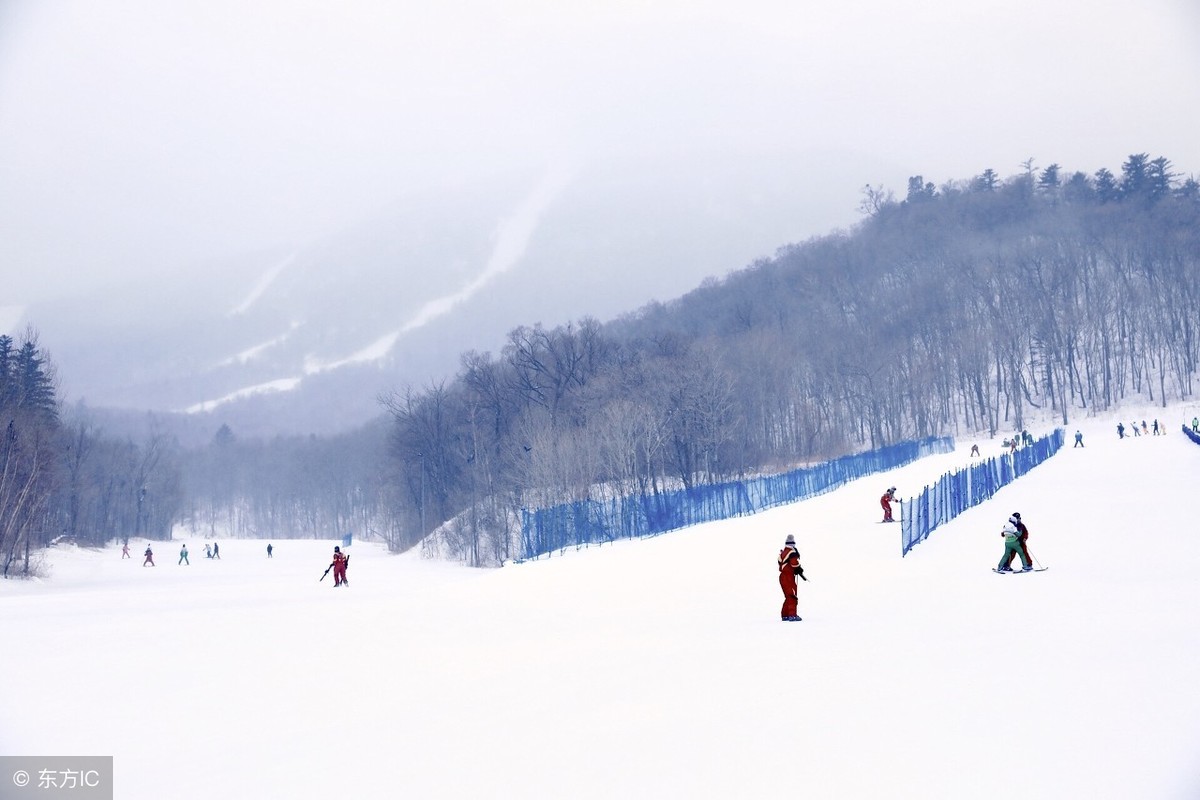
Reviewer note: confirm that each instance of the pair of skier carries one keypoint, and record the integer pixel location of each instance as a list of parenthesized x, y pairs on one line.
[(1016, 537)]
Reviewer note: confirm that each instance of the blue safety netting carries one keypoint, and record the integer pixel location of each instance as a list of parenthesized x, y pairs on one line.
[(1191, 434), (585, 522), (955, 492)]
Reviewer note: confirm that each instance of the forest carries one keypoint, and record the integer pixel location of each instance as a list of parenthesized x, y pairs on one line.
[(960, 308)]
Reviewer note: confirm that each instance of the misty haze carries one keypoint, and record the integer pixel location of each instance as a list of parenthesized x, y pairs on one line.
[(466, 365), (209, 209)]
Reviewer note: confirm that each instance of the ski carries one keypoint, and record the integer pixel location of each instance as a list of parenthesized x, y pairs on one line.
[(1019, 571)]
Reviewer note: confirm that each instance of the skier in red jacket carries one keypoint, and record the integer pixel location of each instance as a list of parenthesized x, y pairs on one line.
[(340, 560), (789, 570), (886, 502)]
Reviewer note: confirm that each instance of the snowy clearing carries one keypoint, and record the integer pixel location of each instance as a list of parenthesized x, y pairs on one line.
[(655, 668)]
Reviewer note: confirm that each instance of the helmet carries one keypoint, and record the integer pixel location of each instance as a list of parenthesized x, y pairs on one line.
[(337, 549), (1016, 515)]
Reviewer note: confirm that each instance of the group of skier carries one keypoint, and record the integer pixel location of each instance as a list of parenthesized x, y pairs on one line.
[(339, 564), (1145, 429), (1014, 532)]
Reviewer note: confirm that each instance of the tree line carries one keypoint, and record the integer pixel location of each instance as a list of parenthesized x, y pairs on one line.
[(962, 307), (61, 477), (959, 308)]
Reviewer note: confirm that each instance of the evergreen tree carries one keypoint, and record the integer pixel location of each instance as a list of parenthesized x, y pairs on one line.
[(1106, 187), (8, 382), (1048, 183), (1135, 178), (34, 385), (1159, 179), (1079, 189), (985, 181), (919, 190)]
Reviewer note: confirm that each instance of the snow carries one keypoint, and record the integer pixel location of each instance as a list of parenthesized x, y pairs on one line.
[(260, 286), (278, 385), (512, 238), (251, 353), (655, 668), (375, 351)]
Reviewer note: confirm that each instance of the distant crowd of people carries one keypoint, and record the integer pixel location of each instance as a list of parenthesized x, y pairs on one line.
[(211, 550), (1144, 429)]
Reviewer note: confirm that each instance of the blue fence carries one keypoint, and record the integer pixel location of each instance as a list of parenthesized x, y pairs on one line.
[(545, 530), (956, 492), (1195, 437)]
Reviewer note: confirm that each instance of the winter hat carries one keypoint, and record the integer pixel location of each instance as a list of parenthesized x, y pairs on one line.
[(1016, 515), (790, 539)]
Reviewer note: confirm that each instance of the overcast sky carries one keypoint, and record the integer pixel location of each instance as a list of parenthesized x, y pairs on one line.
[(143, 137)]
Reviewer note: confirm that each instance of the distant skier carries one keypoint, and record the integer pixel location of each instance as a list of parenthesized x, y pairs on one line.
[(789, 570), (1120, 430), (183, 559), (1022, 541), (125, 550), (269, 549), (216, 550), (974, 449), (207, 550), (886, 502), (1195, 424), (340, 562), (1078, 439), (149, 557), (1155, 427), (1136, 432)]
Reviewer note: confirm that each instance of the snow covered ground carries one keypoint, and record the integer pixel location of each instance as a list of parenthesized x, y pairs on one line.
[(656, 668)]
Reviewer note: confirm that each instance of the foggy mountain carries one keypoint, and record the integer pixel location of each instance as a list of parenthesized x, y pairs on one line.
[(304, 338)]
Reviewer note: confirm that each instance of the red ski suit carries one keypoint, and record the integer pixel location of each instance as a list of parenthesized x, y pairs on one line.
[(789, 568), (339, 568), (886, 502)]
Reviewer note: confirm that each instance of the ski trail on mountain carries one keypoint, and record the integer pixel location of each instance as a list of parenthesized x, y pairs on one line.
[(260, 288)]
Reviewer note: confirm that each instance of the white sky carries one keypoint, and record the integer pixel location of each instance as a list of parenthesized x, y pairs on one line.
[(138, 137), (654, 668)]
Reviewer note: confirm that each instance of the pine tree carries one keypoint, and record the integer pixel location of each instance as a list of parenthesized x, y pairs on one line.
[(34, 385), (8, 383)]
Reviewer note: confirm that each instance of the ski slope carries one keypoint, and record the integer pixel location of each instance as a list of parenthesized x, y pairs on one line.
[(655, 668)]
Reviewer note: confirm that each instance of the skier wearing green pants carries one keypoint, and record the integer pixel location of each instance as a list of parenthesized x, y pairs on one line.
[(1012, 546)]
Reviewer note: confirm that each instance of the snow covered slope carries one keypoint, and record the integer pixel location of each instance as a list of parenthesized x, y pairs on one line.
[(657, 668)]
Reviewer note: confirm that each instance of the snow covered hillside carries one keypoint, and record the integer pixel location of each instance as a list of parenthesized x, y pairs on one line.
[(656, 668)]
